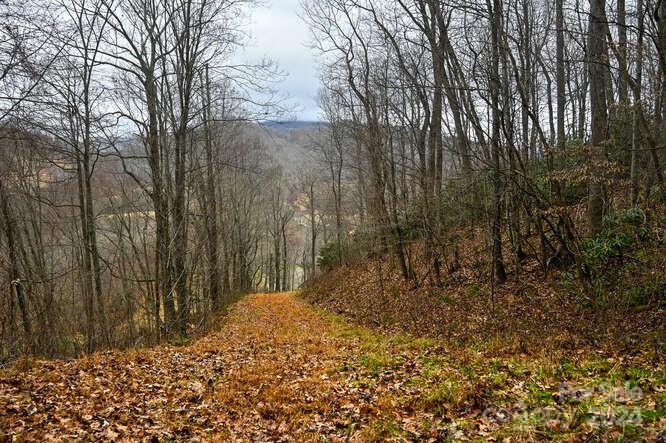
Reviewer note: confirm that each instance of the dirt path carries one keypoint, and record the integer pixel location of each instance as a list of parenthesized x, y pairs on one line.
[(265, 375), (279, 370)]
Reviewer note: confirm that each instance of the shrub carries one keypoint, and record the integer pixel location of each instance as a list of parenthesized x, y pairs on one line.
[(619, 233), (650, 291), (615, 247), (329, 256), (360, 245)]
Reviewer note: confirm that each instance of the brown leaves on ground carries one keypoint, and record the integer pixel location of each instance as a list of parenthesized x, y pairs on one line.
[(279, 370), (529, 313), (261, 377)]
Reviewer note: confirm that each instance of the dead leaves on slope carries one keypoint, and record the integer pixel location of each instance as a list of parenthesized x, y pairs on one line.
[(278, 370), (264, 376)]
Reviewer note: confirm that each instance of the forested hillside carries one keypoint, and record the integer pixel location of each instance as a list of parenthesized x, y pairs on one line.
[(140, 189), (495, 165), (538, 126)]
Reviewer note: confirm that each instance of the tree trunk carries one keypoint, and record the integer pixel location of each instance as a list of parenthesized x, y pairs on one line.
[(623, 90), (211, 203), (277, 247), (14, 273), (597, 66), (87, 283), (91, 241), (561, 98), (179, 274), (156, 158), (636, 125), (313, 232), (499, 272), (285, 268)]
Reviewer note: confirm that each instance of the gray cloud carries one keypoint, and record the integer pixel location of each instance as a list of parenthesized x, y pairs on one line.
[(279, 34)]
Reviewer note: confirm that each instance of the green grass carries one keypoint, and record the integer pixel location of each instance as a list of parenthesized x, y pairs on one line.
[(538, 395), (446, 392), (376, 362), (444, 383), (382, 429)]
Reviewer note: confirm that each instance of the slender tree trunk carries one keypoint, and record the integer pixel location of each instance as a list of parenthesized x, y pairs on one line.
[(597, 67), (91, 230), (87, 283), (16, 285), (561, 85), (313, 233), (526, 78), (277, 253), (636, 129), (499, 271), (623, 90), (156, 158), (285, 268), (660, 114), (211, 203), (179, 274)]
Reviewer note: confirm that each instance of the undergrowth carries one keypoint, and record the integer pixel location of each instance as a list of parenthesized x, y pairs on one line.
[(461, 393)]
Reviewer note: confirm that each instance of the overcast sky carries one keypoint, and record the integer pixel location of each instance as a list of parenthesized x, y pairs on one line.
[(279, 34)]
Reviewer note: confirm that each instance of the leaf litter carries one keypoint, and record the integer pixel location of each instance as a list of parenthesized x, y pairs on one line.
[(280, 370)]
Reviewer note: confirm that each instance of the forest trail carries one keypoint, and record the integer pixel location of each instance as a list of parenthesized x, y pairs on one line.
[(264, 375), (281, 370)]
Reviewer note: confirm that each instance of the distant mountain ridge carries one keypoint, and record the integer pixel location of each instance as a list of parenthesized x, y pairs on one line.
[(288, 125)]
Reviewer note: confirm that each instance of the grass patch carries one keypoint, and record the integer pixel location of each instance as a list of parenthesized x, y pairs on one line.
[(449, 392), (543, 398), (383, 429), (376, 362), (538, 395)]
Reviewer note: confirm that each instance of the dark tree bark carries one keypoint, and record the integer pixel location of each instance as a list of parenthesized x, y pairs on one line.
[(16, 285), (212, 240), (499, 272), (560, 74), (597, 62), (636, 125), (623, 90)]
